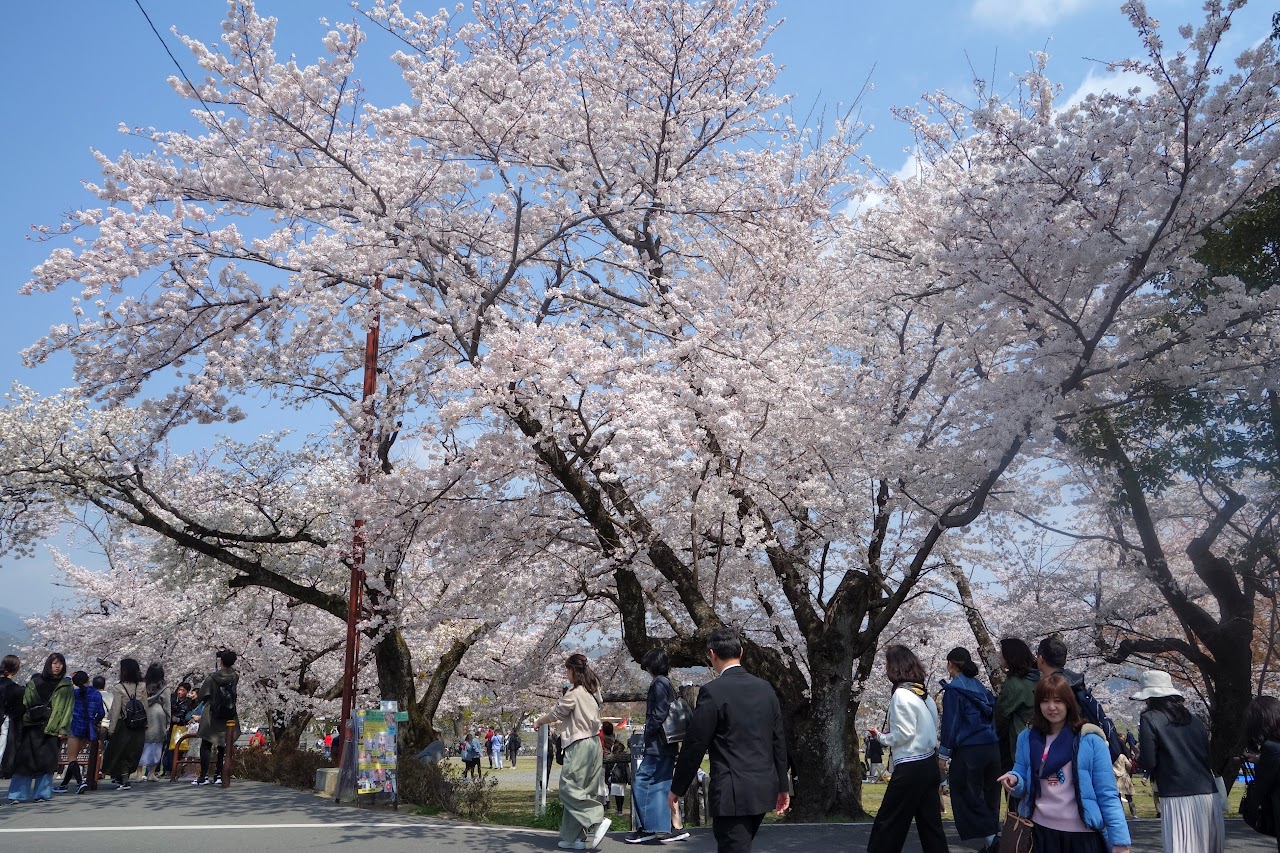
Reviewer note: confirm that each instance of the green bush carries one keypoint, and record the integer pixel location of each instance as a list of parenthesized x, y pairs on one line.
[(293, 768), (434, 785), (551, 817)]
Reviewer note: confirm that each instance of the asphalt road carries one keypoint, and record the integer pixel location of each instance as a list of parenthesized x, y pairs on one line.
[(251, 816)]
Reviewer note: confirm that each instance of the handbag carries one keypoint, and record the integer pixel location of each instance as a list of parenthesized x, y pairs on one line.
[(676, 724), (1015, 835)]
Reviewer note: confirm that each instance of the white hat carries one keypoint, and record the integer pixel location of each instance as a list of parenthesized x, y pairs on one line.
[(1156, 683)]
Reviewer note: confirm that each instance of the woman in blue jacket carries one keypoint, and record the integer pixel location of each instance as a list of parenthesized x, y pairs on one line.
[(1062, 772), (971, 749)]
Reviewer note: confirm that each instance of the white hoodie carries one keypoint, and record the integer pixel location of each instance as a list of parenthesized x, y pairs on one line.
[(913, 727)]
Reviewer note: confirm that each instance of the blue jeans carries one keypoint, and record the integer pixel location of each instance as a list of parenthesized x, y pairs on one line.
[(650, 789), (23, 789)]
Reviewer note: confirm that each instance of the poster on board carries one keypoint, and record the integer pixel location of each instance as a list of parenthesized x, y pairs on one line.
[(376, 762)]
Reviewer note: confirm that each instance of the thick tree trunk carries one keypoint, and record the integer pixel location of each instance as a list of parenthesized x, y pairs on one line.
[(287, 729), (395, 681)]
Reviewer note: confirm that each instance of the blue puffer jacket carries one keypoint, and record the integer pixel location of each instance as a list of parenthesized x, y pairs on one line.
[(87, 712), (1095, 784), (968, 714)]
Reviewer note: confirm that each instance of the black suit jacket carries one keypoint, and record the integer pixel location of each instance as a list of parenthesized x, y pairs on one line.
[(739, 720)]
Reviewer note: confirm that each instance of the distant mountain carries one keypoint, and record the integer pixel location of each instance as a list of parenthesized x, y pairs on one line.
[(13, 634)]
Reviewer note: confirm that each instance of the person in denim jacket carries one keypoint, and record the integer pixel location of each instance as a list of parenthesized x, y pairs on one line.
[(1062, 772)]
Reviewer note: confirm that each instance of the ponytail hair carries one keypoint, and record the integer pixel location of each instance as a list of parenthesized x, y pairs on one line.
[(964, 661), (581, 674)]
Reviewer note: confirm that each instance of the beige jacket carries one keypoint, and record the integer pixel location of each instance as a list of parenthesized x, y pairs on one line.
[(121, 693), (579, 714)]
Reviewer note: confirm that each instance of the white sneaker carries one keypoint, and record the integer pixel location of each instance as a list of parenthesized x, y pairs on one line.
[(572, 845), (599, 834)]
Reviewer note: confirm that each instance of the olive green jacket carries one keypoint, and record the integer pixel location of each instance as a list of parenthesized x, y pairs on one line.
[(1013, 711), (60, 705)]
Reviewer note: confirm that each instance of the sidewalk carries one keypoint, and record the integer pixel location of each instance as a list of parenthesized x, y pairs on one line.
[(254, 816)]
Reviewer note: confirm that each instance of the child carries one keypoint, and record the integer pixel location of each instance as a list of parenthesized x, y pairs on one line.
[(87, 712)]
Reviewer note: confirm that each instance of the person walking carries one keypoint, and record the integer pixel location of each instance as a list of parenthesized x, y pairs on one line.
[(11, 711), (617, 768), (471, 756), (875, 759), (658, 762), (513, 746), (1262, 735), (583, 825), (739, 721), (1123, 768), (1174, 747), (126, 725), (970, 750), (912, 792), (87, 713), (46, 718), (496, 747), (1013, 705), (218, 694), (158, 717), (1063, 777)]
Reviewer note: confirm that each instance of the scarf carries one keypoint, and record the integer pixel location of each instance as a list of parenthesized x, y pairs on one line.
[(1060, 753), (915, 687)]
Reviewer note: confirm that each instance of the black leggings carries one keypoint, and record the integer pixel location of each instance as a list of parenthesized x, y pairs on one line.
[(206, 747)]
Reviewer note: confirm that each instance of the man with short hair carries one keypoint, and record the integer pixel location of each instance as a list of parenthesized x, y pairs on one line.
[(218, 694), (1051, 657), (748, 747)]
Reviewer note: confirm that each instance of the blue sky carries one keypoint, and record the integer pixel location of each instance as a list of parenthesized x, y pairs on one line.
[(79, 68)]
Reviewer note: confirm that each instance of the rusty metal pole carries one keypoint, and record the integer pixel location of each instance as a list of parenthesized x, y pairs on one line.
[(355, 603)]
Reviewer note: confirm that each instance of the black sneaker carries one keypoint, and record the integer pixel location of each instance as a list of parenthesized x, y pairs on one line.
[(217, 780), (84, 786), (674, 835), (640, 836), (200, 781), (124, 786), (59, 789)]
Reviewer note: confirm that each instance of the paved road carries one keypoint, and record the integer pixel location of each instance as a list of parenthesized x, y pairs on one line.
[(252, 816)]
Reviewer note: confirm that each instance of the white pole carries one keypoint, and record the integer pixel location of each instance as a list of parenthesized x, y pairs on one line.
[(540, 780)]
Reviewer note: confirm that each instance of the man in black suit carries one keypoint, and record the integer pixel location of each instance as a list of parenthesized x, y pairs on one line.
[(748, 749)]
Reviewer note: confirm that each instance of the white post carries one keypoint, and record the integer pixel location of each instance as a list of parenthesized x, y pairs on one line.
[(540, 780)]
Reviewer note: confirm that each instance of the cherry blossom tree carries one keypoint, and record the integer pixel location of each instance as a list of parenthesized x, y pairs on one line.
[(650, 360)]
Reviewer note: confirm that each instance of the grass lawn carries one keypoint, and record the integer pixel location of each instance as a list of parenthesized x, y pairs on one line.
[(513, 803)]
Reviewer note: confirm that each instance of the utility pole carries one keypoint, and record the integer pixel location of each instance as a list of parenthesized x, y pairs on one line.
[(355, 602)]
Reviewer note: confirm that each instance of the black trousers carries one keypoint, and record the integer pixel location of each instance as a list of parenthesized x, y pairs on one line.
[(975, 793), (206, 749), (912, 794), (735, 833)]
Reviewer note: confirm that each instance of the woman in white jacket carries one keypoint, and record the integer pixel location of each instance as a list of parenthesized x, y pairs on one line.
[(912, 793)]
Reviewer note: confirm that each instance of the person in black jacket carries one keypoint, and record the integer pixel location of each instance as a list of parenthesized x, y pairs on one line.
[(748, 748), (652, 782), (1262, 733), (1174, 747), (11, 710)]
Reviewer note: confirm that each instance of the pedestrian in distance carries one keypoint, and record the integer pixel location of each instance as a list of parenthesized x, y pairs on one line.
[(46, 718), (583, 826), (739, 721), (513, 746), (1262, 736), (87, 714), (219, 696), (617, 766), (1123, 768), (913, 789), (657, 765), (496, 747), (158, 716), (970, 750), (1014, 704), (1062, 774), (179, 716), (126, 725), (1174, 746), (11, 711), (875, 758)]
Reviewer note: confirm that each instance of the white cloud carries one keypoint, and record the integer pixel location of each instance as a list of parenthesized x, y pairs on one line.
[(1008, 14), (1116, 82)]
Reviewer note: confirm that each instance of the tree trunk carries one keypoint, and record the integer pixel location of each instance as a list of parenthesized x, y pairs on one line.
[(287, 730)]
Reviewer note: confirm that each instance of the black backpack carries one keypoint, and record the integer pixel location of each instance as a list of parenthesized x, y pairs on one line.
[(224, 702), (1091, 710), (134, 713)]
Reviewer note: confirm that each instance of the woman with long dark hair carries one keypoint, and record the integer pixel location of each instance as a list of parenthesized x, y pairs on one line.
[(1013, 705), (1063, 777), (912, 792), (126, 731), (46, 718), (158, 699), (1262, 735), (1173, 747), (653, 778), (578, 715)]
